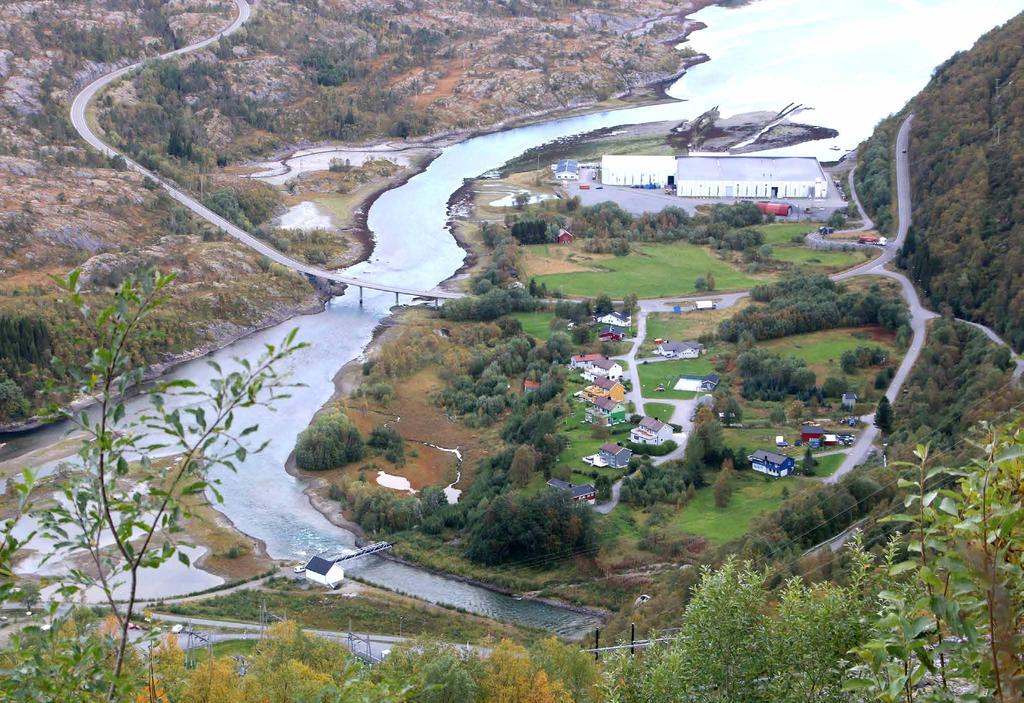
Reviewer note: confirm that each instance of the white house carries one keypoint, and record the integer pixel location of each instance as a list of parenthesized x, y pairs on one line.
[(651, 431), (584, 361), (638, 170), (770, 177), (567, 170), (696, 384), (680, 350), (615, 319), (324, 572), (603, 367)]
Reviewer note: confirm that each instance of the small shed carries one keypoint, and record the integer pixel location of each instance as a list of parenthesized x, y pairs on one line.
[(565, 236), (324, 572)]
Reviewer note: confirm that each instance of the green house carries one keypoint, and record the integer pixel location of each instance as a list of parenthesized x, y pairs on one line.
[(607, 409)]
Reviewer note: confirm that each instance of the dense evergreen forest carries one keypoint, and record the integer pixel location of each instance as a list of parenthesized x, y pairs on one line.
[(967, 176)]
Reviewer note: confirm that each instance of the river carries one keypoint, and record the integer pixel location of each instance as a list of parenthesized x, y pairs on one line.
[(415, 249)]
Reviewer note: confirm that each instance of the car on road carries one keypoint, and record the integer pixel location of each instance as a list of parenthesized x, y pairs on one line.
[(177, 628)]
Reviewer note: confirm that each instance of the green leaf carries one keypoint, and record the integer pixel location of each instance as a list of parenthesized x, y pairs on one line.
[(183, 558), (902, 567)]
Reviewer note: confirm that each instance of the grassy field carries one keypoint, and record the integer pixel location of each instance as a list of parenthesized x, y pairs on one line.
[(649, 271), (827, 465), (780, 238), (535, 324), (823, 350), (659, 411), (752, 495), (371, 610), (685, 326), (582, 444), (666, 373)]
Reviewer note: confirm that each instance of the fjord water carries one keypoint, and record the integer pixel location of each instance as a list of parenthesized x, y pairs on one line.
[(415, 249), (852, 61)]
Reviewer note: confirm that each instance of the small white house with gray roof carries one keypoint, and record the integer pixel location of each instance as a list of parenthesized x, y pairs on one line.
[(680, 350)]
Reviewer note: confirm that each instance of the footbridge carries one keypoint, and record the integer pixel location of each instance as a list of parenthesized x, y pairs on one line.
[(375, 548), (81, 122)]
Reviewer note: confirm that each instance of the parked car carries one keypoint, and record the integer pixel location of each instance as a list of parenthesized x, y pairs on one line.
[(177, 628)]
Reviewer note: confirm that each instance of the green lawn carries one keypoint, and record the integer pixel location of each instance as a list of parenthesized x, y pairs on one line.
[(582, 444), (659, 411), (780, 238), (753, 495), (666, 373), (650, 271), (823, 350), (535, 324), (827, 465), (675, 326)]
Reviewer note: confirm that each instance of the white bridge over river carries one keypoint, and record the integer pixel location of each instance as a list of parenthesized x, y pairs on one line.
[(82, 123)]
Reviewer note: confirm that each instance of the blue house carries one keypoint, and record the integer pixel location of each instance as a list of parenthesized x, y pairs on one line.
[(772, 464)]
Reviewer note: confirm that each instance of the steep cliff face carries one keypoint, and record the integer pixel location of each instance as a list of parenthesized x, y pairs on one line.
[(966, 247)]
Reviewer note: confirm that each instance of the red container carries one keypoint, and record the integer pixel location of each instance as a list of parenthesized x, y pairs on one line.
[(777, 209)]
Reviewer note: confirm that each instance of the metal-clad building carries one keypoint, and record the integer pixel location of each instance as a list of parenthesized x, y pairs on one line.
[(750, 177), (567, 170), (638, 170)]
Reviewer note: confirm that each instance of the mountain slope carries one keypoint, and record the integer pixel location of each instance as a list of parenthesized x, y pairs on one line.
[(967, 168)]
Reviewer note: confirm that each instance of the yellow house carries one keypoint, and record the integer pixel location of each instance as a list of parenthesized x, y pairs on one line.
[(605, 388)]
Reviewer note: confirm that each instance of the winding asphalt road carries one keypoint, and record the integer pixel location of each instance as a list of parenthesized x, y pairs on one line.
[(79, 110), (919, 316)]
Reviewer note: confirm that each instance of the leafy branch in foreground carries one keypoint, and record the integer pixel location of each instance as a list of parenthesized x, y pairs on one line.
[(122, 503), (951, 629)]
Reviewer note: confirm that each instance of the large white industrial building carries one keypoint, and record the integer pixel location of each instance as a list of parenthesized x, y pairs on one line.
[(632, 170), (720, 175)]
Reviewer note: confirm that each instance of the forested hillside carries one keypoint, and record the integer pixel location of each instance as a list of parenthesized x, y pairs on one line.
[(967, 173)]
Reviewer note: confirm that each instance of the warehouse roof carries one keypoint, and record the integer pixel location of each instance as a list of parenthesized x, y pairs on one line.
[(748, 168)]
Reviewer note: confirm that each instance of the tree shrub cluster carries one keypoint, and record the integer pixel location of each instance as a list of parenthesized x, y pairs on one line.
[(547, 526), (960, 379), (799, 304), (875, 174), (330, 442), (378, 509), (608, 228), (967, 183)]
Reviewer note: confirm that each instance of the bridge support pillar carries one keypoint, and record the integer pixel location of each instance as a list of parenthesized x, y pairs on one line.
[(360, 296), (396, 297)]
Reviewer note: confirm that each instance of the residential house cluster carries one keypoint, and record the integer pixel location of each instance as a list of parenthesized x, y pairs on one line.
[(605, 396)]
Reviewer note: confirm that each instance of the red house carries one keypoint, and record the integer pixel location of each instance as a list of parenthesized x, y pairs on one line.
[(809, 432), (529, 385), (611, 335), (565, 236)]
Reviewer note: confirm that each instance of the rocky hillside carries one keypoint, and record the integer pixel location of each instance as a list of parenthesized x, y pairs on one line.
[(63, 206), (966, 247), (355, 70)]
